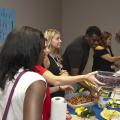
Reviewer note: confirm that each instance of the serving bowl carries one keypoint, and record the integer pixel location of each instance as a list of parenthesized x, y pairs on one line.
[(110, 79)]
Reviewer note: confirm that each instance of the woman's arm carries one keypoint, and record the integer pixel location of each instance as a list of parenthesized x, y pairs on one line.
[(54, 89), (60, 80), (33, 101), (106, 55), (64, 80), (61, 88), (110, 58)]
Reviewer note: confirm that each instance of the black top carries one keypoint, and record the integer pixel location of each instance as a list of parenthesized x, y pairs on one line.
[(55, 69), (99, 63), (76, 55)]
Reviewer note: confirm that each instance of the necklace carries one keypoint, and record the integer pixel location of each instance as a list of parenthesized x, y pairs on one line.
[(56, 61)]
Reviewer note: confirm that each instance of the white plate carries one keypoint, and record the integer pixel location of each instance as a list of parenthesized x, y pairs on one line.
[(107, 114)]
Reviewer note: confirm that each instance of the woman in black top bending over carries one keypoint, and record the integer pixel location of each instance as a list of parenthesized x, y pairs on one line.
[(103, 58)]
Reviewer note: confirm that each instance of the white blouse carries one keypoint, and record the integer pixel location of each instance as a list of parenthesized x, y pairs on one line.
[(16, 107)]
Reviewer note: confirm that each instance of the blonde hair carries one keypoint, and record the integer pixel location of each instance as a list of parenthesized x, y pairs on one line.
[(49, 34)]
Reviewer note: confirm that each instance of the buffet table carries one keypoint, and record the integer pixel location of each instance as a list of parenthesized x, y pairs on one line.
[(112, 83), (96, 110)]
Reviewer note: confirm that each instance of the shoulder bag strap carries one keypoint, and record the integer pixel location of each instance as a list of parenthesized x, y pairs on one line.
[(10, 96)]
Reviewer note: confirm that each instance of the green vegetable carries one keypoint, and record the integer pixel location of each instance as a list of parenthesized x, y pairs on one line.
[(88, 115)]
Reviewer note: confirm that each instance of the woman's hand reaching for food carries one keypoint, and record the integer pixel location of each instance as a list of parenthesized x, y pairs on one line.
[(90, 77)]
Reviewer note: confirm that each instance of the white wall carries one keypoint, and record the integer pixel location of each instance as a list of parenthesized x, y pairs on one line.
[(72, 17), (42, 14), (77, 15)]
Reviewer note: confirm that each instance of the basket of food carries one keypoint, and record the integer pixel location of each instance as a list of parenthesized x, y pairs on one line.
[(75, 100)]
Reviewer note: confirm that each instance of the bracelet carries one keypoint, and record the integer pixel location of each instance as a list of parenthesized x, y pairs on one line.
[(60, 89)]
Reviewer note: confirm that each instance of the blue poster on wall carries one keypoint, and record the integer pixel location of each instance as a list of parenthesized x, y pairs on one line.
[(7, 22)]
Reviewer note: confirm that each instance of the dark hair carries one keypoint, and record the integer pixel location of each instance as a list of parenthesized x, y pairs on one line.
[(21, 49), (105, 35), (93, 30)]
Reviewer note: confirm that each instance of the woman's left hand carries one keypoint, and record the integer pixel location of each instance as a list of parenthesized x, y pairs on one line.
[(91, 78), (67, 88)]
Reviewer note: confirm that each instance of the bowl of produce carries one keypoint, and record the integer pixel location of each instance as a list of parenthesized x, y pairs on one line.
[(110, 79)]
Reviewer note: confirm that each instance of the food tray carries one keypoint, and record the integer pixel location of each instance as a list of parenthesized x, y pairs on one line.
[(86, 104)]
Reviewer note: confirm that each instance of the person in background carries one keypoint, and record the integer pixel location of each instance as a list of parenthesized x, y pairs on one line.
[(54, 61), (21, 52), (117, 38), (76, 54), (107, 36), (103, 58), (53, 44)]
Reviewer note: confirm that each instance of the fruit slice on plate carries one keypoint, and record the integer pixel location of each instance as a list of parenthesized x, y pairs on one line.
[(108, 114)]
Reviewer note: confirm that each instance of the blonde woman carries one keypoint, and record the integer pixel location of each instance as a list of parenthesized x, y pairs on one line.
[(53, 58), (53, 43)]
